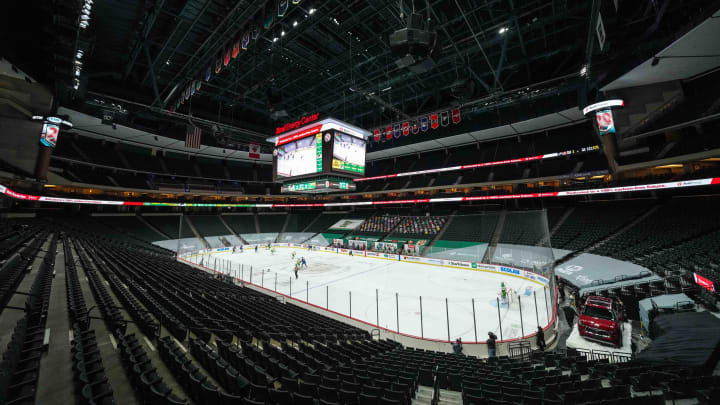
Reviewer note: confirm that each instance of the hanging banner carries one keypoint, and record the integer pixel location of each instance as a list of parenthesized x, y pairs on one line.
[(236, 48), (388, 133), (415, 127), (397, 132), (445, 118), (245, 41), (424, 124), (456, 116), (267, 24), (283, 7), (434, 121), (406, 128), (254, 150), (218, 64), (226, 60), (376, 135)]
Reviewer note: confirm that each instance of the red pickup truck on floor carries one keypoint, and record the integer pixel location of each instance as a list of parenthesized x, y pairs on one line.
[(602, 320)]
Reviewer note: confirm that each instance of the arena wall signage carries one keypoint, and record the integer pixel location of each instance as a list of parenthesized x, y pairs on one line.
[(603, 105), (297, 124), (610, 190), (704, 282), (51, 129)]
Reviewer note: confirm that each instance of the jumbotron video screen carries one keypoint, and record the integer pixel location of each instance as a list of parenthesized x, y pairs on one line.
[(300, 157), (348, 154)]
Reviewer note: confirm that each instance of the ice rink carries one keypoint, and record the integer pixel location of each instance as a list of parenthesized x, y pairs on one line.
[(347, 285)]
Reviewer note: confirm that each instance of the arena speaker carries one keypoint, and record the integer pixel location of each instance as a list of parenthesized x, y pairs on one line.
[(413, 45), (463, 88)]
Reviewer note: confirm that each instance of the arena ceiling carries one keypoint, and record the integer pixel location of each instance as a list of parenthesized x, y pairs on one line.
[(337, 60)]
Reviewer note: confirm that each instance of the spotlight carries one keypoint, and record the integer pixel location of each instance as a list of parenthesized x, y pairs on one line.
[(282, 33), (312, 11), (584, 70), (502, 30), (275, 39), (295, 23)]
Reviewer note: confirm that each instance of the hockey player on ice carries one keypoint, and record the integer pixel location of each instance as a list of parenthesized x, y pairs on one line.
[(293, 254), (272, 251), (304, 263), (503, 294)]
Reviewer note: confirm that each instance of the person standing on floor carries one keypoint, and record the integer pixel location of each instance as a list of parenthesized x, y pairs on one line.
[(540, 338), (491, 344), (457, 346)]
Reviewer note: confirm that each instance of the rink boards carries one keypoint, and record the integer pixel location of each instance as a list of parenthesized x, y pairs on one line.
[(455, 264)]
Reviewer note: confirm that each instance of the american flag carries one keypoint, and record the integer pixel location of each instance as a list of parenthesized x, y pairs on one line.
[(193, 137)]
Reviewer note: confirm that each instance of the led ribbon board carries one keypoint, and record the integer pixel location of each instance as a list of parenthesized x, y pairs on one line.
[(610, 190), (486, 164)]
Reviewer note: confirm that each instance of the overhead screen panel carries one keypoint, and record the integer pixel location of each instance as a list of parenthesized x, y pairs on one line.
[(300, 157), (348, 154)]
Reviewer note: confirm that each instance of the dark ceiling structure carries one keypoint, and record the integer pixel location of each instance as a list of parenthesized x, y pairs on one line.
[(334, 56)]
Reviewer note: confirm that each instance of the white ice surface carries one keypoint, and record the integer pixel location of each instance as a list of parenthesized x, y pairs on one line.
[(330, 277)]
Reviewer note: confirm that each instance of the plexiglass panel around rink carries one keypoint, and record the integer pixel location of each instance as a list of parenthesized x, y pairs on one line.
[(486, 272)]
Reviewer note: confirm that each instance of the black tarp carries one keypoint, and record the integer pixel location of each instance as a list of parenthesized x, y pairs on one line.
[(686, 339)]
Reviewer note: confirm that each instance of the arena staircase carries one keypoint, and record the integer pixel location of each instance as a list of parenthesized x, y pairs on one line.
[(311, 223), (195, 231), (439, 235), (232, 232), (257, 223), (80, 152), (490, 252), (151, 226), (546, 241), (284, 227), (123, 159), (423, 396), (112, 180), (623, 229), (447, 397)]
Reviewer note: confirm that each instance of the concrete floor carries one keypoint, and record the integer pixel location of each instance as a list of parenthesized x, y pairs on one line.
[(148, 343), (55, 383), (9, 317), (123, 392)]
